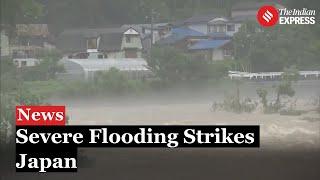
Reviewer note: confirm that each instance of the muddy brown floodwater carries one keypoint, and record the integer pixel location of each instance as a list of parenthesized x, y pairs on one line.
[(290, 145)]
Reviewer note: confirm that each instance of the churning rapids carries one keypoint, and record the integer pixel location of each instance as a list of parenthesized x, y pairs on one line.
[(183, 106)]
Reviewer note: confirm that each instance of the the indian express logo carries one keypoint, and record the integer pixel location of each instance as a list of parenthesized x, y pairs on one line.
[(267, 16), (297, 16), (270, 15)]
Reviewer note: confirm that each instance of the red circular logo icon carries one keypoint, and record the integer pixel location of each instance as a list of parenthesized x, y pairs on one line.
[(267, 16)]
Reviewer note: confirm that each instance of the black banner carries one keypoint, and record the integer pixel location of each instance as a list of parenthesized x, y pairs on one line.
[(54, 148)]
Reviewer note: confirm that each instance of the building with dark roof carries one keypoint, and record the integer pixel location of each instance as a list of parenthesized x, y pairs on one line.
[(199, 22), (182, 37), (213, 46), (211, 24), (119, 42)]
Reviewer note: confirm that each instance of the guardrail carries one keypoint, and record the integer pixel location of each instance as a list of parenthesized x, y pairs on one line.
[(269, 75)]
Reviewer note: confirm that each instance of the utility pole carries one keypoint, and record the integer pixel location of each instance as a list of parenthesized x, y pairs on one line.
[(151, 19), (152, 13)]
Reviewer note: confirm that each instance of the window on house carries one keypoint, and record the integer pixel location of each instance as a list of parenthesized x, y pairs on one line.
[(210, 29), (230, 27), (92, 43), (81, 55), (128, 39), (219, 28), (227, 52)]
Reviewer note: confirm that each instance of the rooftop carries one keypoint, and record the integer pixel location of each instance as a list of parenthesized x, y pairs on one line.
[(178, 34), (74, 40), (208, 44)]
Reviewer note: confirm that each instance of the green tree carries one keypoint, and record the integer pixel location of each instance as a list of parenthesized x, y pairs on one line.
[(47, 68), (13, 11), (12, 93), (170, 64), (285, 87), (272, 49)]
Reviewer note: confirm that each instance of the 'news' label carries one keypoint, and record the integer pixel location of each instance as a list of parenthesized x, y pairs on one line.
[(40, 115)]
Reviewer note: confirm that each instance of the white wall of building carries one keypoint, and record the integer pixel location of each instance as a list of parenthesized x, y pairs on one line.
[(5, 51), (135, 42), (217, 54), (26, 62), (203, 28)]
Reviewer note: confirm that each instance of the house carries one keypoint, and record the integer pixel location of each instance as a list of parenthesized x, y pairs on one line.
[(211, 25), (159, 30), (214, 46), (222, 26), (30, 39), (212, 49), (92, 50), (211, 35), (198, 22), (102, 43)]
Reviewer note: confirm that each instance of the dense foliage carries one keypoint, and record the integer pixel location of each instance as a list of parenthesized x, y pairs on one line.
[(170, 64), (272, 49), (12, 93), (284, 88), (62, 14), (47, 68)]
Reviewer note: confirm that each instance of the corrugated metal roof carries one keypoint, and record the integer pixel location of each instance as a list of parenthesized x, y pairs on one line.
[(75, 40), (208, 44), (219, 35), (186, 32), (124, 64)]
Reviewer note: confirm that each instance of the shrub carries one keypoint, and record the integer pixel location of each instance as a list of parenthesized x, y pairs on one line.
[(172, 65)]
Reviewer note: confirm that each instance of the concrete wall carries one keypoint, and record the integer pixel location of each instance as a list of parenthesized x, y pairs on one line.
[(217, 54), (116, 55), (121, 54), (135, 42), (27, 62)]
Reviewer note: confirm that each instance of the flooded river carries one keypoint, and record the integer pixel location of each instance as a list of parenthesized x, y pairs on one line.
[(290, 148), (191, 105)]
